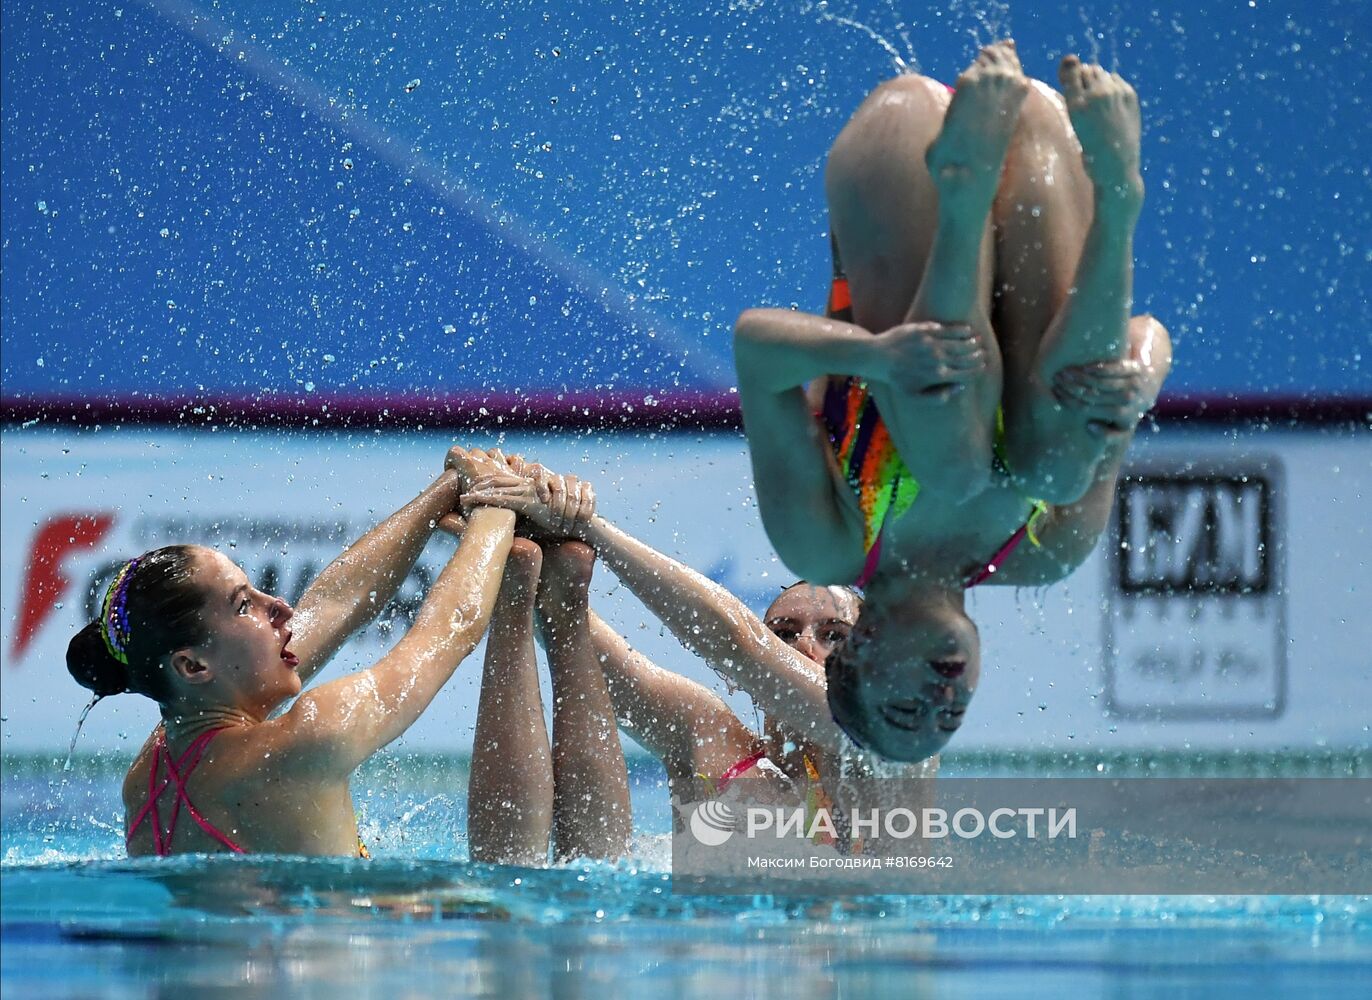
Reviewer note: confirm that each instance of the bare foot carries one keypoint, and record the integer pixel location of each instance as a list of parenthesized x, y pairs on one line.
[(522, 569), (967, 156), (566, 581), (1105, 115)]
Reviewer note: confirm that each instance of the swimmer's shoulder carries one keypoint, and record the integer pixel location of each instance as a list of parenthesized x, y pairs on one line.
[(135, 788)]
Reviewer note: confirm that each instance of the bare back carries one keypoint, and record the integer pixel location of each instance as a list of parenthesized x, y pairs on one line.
[(238, 790)]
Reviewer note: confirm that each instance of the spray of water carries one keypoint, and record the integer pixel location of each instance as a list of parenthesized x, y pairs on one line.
[(71, 748), (898, 60)]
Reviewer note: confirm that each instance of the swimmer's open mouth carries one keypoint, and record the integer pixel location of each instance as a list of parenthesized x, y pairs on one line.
[(949, 668), (291, 660)]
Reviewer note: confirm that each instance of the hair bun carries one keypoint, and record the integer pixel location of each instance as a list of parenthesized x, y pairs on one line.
[(90, 662)]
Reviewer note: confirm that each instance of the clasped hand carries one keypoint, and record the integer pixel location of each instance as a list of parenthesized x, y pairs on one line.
[(934, 360), (555, 505), (1114, 395)]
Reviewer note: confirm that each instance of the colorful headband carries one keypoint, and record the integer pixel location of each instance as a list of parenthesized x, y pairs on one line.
[(114, 613)]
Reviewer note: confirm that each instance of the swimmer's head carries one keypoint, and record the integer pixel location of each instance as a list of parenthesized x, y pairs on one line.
[(901, 684), (813, 620), (183, 626)]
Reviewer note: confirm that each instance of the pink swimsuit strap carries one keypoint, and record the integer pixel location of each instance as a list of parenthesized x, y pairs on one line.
[(738, 770), (869, 567), (980, 576), (998, 560), (178, 773)]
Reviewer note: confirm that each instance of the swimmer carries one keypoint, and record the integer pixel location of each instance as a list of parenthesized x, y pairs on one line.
[(184, 626), (978, 352), (525, 792), (801, 755)]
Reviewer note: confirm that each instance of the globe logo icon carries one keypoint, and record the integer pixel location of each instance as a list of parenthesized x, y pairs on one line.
[(712, 823)]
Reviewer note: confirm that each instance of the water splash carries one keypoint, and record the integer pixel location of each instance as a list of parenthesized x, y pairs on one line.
[(897, 59), (80, 723)]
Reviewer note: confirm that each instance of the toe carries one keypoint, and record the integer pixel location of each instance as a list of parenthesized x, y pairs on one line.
[(1069, 74), (1008, 54)]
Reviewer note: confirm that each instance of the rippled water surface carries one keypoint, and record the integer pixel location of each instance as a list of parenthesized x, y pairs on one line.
[(81, 920)]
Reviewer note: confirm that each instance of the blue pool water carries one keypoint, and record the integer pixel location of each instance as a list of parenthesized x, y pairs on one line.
[(79, 919)]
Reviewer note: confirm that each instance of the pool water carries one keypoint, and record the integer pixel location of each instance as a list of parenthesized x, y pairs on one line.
[(79, 919)]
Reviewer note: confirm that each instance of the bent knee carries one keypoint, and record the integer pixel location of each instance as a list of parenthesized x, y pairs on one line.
[(897, 121), (1150, 343), (1044, 113)]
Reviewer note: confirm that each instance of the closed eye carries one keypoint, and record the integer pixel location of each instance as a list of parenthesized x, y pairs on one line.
[(915, 708), (909, 724)]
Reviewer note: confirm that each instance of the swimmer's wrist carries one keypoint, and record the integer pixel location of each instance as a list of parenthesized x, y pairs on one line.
[(489, 518), (443, 495), (587, 531)]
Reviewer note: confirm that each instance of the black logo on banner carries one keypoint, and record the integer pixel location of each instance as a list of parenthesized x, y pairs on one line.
[(1196, 626), (1195, 535)]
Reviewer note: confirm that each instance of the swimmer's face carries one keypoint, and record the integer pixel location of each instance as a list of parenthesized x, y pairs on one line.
[(901, 684), (247, 654), (813, 620)]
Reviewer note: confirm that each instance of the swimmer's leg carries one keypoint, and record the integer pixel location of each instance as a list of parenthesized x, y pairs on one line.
[(1053, 445), (1042, 212), (965, 163), (591, 811), (510, 795), (883, 206), (910, 189)]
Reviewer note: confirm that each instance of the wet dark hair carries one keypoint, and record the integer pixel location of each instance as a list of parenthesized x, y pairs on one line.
[(841, 689), (165, 611), (848, 589)]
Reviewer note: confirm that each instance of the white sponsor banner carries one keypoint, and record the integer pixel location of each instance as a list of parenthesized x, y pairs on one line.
[(1225, 608)]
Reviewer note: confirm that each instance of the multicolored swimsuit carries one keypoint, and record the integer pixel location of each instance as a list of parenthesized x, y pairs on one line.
[(872, 467)]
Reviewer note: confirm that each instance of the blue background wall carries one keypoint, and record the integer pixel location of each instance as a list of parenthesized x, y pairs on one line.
[(256, 200)]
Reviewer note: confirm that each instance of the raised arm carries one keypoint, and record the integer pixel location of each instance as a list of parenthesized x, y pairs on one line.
[(780, 349), (347, 720), (354, 588), (684, 724), (704, 617)]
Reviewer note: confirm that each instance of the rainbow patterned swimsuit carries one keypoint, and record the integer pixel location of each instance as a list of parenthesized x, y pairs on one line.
[(872, 467), (867, 457)]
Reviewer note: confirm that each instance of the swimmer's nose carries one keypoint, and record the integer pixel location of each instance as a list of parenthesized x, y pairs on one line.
[(281, 611), (806, 646), (943, 692)]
